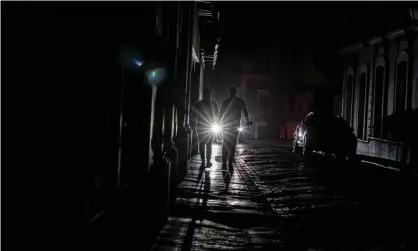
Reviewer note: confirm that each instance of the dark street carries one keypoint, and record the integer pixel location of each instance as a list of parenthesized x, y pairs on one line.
[(211, 125), (273, 201), (334, 205)]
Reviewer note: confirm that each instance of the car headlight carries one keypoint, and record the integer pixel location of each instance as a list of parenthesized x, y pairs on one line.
[(216, 128)]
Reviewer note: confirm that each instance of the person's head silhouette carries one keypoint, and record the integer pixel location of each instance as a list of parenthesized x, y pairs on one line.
[(232, 91)]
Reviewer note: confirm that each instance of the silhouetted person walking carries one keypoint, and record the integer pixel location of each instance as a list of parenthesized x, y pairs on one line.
[(205, 111), (230, 117)]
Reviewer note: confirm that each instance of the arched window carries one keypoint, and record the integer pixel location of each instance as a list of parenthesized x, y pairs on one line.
[(379, 98), (401, 76), (402, 99), (349, 100), (362, 104), (349, 95)]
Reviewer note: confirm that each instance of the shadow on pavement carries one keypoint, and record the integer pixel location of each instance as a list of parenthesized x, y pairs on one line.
[(199, 208)]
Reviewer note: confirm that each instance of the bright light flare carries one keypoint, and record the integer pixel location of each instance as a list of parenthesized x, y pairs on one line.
[(216, 128), (155, 76), (138, 63), (240, 129)]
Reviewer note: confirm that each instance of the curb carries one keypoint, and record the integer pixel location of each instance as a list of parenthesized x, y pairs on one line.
[(388, 167)]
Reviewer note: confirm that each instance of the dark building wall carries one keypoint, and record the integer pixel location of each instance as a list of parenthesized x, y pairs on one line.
[(377, 92), (156, 141), (125, 137)]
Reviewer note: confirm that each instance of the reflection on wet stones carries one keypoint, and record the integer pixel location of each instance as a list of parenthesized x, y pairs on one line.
[(221, 213), (314, 208), (319, 206)]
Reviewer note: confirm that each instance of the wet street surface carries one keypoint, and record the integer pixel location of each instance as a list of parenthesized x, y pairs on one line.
[(219, 208), (272, 200)]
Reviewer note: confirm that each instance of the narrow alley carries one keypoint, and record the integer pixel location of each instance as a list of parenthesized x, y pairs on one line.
[(311, 110)]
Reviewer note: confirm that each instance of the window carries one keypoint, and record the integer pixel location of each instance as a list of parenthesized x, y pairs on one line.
[(401, 74), (409, 91), (362, 104), (385, 128), (378, 103), (349, 100)]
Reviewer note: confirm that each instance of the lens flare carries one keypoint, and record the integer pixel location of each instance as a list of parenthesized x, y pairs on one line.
[(155, 76), (215, 128), (240, 129), (138, 62)]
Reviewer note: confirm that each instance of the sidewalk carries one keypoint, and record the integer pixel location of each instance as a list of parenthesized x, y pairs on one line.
[(219, 209), (388, 164)]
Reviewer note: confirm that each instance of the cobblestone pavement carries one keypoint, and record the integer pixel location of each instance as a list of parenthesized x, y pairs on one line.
[(272, 200), (328, 205), (219, 208)]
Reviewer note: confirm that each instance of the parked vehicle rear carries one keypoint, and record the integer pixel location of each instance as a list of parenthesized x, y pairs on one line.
[(330, 136)]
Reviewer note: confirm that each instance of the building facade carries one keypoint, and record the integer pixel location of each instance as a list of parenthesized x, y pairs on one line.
[(380, 92), (148, 141)]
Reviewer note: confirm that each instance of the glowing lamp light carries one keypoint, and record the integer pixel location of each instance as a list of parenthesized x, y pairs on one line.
[(215, 128), (240, 129)]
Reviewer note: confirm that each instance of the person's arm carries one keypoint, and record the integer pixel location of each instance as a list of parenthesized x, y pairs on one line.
[(246, 115), (245, 111), (222, 111)]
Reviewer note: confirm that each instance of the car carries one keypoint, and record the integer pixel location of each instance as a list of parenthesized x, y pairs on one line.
[(329, 135)]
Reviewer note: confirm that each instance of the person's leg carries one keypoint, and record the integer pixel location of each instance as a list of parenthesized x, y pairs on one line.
[(232, 146), (225, 147), (209, 150)]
